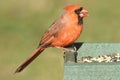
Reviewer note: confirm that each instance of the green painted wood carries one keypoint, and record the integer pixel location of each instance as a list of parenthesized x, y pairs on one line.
[(93, 71), (96, 49)]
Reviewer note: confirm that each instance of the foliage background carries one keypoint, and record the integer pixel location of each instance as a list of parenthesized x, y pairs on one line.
[(22, 23)]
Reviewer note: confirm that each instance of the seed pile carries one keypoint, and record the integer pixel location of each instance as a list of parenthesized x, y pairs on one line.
[(103, 58)]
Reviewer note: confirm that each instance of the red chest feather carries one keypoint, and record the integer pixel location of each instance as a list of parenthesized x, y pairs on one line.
[(67, 36)]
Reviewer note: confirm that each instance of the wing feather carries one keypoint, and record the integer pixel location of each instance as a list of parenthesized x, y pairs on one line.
[(51, 33)]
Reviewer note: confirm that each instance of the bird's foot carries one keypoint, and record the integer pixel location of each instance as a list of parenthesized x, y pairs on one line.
[(73, 50)]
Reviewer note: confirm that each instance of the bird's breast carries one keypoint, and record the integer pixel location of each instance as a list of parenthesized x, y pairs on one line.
[(67, 35)]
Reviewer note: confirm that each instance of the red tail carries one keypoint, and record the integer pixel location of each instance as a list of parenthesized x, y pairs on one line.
[(29, 60)]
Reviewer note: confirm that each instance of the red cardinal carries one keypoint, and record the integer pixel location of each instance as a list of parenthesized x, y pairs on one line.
[(62, 32)]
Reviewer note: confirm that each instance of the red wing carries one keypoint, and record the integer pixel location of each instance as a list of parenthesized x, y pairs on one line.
[(51, 32)]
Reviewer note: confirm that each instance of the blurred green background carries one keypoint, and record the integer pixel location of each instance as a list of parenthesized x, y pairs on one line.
[(22, 23)]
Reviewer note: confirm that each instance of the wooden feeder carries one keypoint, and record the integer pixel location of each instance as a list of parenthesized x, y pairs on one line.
[(93, 70)]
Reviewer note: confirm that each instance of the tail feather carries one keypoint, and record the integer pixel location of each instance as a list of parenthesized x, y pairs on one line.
[(29, 60)]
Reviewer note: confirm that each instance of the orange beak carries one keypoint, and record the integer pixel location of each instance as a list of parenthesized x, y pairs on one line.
[(84, 13)]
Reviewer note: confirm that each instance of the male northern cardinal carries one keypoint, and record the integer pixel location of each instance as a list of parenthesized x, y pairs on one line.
[(62, 32)]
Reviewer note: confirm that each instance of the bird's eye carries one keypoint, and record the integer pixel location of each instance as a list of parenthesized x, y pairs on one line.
[(77, 11)]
